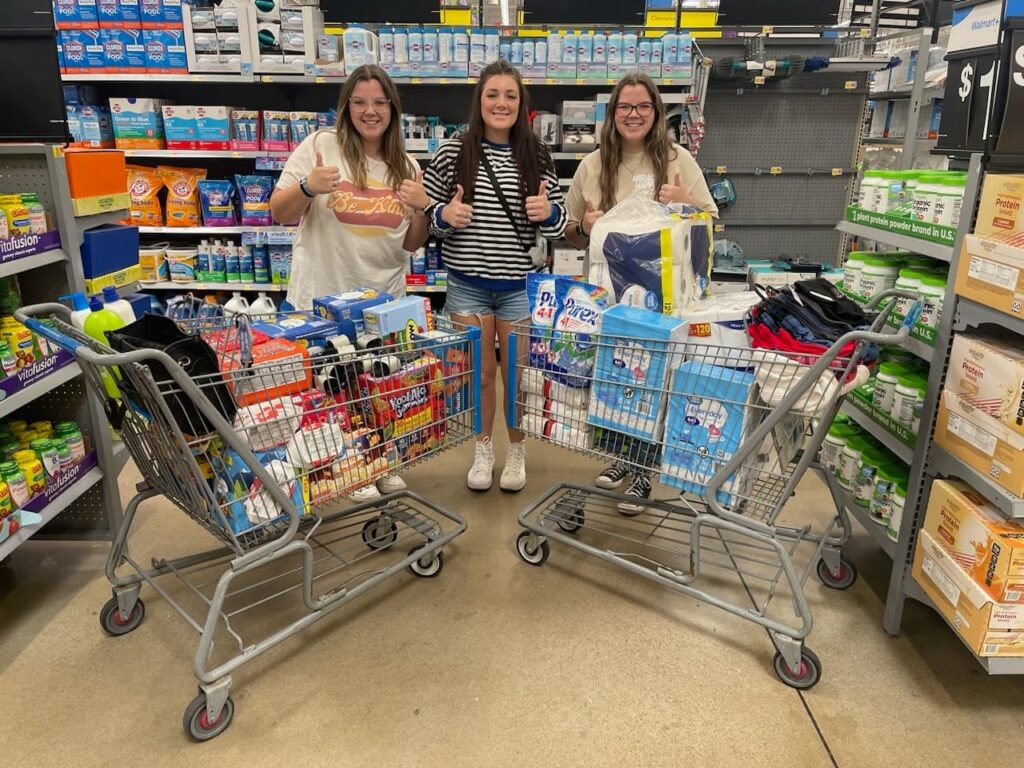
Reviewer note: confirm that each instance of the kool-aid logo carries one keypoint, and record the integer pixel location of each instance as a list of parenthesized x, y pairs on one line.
[(411, 398), (74, 50), (114, 49)]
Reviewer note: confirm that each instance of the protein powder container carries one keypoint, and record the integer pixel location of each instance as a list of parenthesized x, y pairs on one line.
[(933, 293), (888, 477), (849, 464), (899, 498), (908, 400), (885, 384), (834, 443), (877, 275), (852, 271), (872, 457)]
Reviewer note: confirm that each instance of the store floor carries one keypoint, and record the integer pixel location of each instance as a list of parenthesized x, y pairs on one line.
[(494, 663)]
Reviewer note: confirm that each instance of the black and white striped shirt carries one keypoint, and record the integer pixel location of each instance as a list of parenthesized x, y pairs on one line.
[(490, 252)]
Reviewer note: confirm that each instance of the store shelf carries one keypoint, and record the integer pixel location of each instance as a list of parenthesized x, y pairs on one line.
[(464, 81), (426, 288), (208, 230), (172, 286), (99, 219), (915, 346), (895, 142), (121, 456), (202, 153), (902, 242), (971, 314), (861, 515), (571, 155), (994, 665), (26, 263), (941, 462), (142, 77), (39, 386), (59, 504), (878, 431)]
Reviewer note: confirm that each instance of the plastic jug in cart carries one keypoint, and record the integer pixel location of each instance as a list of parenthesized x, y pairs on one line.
[(115, 303), (79, 309), (97, 324), (263, 305), (236, 305)]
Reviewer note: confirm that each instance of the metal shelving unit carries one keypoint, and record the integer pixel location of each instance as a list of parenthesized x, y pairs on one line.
[(207, 230), (172, 286), (943, 463), (903, 451), (875, 530), (902, 242), (91, 507)]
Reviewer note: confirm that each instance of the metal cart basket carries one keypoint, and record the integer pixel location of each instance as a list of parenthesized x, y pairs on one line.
[(262, 454), (733, 429)]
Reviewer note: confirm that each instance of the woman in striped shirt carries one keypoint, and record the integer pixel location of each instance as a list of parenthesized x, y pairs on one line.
[(494, 190)]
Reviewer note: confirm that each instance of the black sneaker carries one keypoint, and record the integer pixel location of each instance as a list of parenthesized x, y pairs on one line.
[(639, 488), (612, 477)]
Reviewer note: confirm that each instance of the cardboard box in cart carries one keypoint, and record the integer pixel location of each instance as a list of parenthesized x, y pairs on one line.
[(988, 547), (989, 628)]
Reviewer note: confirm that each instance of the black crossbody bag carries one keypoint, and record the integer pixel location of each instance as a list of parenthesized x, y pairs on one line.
[(538, 251)]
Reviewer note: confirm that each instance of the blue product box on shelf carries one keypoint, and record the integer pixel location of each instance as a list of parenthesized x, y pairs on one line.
[(108, 12), (160, 14), (123, 50), (75, 14), (130, 13), (90, 126), (83, 51), (109, 248), (180, 126), (299, 326), (165, 51), (346, 309), (171, 11)]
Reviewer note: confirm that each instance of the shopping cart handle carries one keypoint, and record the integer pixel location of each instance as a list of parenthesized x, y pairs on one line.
[(27, 317)]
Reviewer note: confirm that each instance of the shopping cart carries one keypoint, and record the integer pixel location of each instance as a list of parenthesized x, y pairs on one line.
[(739, 428), (260, 458)]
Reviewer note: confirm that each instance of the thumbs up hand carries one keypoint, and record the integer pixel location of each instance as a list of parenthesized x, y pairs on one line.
[(413, 194), (457, 213), (323, 178), (675, 193), (538, 207), (590, 218)]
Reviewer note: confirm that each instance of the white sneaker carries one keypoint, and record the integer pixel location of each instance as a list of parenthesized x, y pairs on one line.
[(481, 474), (391, 484), (363, 495), (513, 476)]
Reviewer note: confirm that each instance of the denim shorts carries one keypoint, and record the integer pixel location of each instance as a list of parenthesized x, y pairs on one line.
[(466, 299)]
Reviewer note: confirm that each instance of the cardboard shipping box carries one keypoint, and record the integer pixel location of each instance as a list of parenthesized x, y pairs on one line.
[(981, 442), (988, 372), (985, 544), (989, 628), (991, 272), (1002, 198)]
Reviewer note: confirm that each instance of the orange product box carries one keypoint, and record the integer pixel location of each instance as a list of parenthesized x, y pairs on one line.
[(987, 627), (98, 180), (280, 368), (981, 442), (407, 401), (1002, 205), (985, 544)]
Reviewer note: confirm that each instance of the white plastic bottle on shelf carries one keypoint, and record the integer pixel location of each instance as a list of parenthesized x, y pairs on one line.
[(236, 305), (79, 309), (263, 305), (115, 303)]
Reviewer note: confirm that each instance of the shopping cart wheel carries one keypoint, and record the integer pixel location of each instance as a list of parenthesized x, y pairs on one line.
[(842, 580), (197, 722), (535, 556), (115, 624), (428, 569), (805, 677), (377, 535), (571, 521)]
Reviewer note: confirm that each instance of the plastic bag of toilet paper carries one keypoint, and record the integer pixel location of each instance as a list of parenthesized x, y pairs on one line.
[(646, 256), (559, 432), (577, 322), (534, 382), (719, 321), (260, 506)]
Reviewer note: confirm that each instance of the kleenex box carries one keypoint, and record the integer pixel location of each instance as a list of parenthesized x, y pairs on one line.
[(706, 424), (347, 308), (180, 126), (631, 371)]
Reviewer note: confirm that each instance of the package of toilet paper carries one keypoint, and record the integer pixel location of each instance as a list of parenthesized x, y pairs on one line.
[(649, 257), (716, 326)]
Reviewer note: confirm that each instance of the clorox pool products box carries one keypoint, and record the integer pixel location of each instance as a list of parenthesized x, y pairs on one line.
[(631, 370), (124, 50), (138, 123), (165, 51), (706, 424)]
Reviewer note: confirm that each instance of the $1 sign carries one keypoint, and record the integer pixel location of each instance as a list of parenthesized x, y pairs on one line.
[(966, 81)]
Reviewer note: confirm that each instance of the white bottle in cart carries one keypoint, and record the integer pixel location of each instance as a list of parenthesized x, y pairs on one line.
[(263, 305), (116, 304), (79, 309), (236, 305)]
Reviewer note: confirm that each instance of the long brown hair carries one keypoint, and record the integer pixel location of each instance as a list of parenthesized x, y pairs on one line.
[(530, 158), (658, 145), (350, 143)]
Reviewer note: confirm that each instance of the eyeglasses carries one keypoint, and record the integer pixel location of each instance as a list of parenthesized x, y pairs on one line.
[(644, 109), (361, 105)]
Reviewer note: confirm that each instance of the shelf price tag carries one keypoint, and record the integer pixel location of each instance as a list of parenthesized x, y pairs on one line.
[(320, 79), (767, 30), (550, 81), (851, 85), (416, 80), (775, 170), (719, 227), (443, 81), (720, 169), (266, 78), (759, 80), (837, 171), (580, 81), (865, 33)]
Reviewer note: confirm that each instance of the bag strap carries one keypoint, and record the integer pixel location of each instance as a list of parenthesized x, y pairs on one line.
[(502, 199)]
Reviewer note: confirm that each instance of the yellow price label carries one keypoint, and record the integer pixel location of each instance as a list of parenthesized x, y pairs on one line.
[(776, 170), (266, 78), (443, 81), (580, 81), (320, 79), (837, 171), (767, 30), (416, 80), (851, 84), (865, 33), (759, 80), (580, 155), (720, 169), (551, 81), (719, 227), (58, 151)]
